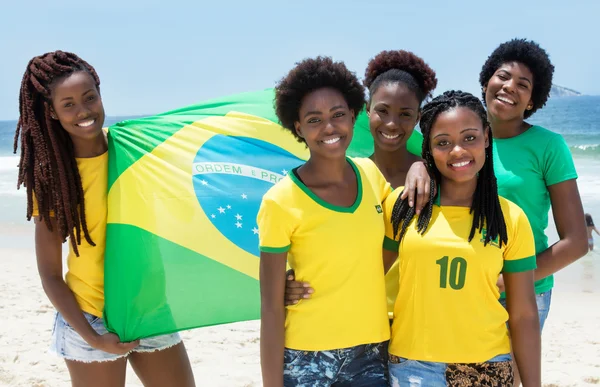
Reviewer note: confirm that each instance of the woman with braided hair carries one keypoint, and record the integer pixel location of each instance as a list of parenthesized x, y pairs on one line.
[(533, 165), (64, 168), (449, 328)]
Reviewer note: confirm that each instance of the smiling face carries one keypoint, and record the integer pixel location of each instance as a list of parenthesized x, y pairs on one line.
[(508, 92), (458, 141), (325, 123), (77, 104), (393, 113)]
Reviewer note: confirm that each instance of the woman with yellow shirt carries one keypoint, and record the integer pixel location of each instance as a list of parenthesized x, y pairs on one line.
[(449, 327), (314, 219), (64, 167), (398, 82)]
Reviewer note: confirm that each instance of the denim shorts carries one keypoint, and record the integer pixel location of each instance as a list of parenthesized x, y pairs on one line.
[(360, 366), (69, 345), (415, 373), (543, 301)]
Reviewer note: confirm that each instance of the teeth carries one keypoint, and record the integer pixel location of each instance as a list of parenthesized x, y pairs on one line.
[(457, 165), (390, 136), (331, 141), (505, 100), (86, 123)]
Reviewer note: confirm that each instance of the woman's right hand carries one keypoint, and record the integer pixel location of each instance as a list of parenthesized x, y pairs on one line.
[(295, 290), (417, 179), (109, 342)]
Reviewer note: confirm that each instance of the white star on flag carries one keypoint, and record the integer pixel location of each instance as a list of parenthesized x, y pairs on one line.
[(221, 210), (284, 171), (238, 217), (212, 216), (255, 230), (244, 196), (204, 182), (238, 225), (228, 207)]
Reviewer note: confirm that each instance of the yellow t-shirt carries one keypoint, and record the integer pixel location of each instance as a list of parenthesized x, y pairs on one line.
[(85, 274), (339, 251), (447, 309)]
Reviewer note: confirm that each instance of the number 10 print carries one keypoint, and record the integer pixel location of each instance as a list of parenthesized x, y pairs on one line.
[(458, 272)]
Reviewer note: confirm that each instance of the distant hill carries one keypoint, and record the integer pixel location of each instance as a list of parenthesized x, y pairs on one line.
[(559, 91)]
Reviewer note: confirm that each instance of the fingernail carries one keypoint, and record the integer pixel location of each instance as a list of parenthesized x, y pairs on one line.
[(306, 285), (410, 203), (290, 277), (310, 291), (305, 296)]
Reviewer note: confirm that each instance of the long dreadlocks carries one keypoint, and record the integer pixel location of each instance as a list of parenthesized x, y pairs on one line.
[(47, 166), (486, 204)]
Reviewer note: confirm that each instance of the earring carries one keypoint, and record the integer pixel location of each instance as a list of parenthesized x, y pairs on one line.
[(529, 107)]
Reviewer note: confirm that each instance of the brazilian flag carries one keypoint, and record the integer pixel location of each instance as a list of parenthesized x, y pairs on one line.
[(184, 190)]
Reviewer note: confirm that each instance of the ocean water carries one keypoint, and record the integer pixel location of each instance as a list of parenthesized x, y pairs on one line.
[(577, 119)]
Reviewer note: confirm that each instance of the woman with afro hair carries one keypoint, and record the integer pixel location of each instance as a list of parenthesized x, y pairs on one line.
[(325, 219), (398, 82), (533, 165)]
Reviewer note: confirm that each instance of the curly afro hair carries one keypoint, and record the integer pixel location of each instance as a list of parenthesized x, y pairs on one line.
[(310, 75), (531, 55), (400, 66)]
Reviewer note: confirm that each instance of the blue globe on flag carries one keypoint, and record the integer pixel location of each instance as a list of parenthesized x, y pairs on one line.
[(230, 176)]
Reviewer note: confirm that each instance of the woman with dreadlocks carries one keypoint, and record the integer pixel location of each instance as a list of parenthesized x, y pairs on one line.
[(64, 165), (449, 328)]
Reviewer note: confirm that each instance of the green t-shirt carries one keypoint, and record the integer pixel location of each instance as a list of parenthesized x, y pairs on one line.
[(525, 166)]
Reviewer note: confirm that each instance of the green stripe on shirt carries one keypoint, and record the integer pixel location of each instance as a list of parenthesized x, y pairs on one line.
[(520, 265), (274, 250), (391, 245)]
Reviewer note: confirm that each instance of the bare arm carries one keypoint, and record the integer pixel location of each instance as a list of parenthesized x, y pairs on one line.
[(595, 229), (524, 326), (389, 257), (48, 247), (272, 317), (570, 224)]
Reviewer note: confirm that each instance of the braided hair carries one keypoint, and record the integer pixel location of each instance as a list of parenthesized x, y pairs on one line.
[(486, 204), (47, 165), (400, 66)]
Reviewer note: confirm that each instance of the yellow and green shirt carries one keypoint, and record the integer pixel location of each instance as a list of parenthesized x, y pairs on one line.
[(447, 309), (338, 250)]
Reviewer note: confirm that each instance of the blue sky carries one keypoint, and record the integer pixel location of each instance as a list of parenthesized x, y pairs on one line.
[(153, 56)]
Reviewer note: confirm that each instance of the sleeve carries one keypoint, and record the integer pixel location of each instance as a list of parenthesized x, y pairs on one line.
[(558, 161), (35, 212), (519, 254), (274, 227), (389, 242)]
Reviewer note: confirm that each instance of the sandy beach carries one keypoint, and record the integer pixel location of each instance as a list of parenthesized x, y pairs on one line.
[(228, 355)]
